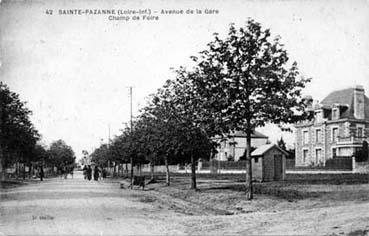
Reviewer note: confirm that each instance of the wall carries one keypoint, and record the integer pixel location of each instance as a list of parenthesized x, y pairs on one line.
[(257, 169), (161, 168), (268, 164), (361, 167)]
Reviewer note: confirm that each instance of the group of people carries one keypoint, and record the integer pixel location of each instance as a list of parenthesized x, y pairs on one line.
[(65, 170), (98, 173)]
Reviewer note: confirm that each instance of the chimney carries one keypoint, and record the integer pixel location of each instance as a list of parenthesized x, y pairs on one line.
[(359, 100)]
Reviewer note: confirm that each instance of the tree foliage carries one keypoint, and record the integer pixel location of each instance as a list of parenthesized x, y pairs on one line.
[(247, 79), (61, 154), (238, 83), (18, 136)]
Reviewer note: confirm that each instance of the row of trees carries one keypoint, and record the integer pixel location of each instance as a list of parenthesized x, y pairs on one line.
[(240, 82), (19, 139)]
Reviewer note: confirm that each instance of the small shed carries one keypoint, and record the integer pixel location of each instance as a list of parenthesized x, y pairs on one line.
[(268, 163)]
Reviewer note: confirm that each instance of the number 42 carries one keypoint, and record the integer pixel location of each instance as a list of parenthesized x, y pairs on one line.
[(49, 12)]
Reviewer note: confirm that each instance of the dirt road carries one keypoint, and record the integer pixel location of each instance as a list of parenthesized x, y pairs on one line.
[(76, 206), (79, 207)]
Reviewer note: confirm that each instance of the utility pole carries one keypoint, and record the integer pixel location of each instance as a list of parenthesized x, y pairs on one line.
[(131, 158), (109, 146)]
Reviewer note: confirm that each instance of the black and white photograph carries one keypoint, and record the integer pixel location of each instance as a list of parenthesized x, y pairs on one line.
[(159, 117)]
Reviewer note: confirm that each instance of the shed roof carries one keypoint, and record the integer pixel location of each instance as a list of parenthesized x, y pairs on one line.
[(261, 150)]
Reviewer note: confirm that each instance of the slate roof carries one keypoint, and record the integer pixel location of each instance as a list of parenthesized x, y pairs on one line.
[(261, 150), (345, 97)]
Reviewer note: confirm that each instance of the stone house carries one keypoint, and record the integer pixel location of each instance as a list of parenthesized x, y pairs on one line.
[(268, 163), (339, 127), (234, 145)]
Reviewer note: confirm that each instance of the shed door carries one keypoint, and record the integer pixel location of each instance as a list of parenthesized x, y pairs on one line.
[(278, 167)]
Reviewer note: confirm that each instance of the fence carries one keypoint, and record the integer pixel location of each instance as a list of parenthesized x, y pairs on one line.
[(339, 163), (215, 165), (290, 163)]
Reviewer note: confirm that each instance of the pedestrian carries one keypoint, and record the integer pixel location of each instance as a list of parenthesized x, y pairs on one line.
[(85, 172), (96, 173), (71, 170), (60, 170), (89, 172), (41, 173), (65, 172)]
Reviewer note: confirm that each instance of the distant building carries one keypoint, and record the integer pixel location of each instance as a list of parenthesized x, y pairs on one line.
[(234, 146), (339, 127)]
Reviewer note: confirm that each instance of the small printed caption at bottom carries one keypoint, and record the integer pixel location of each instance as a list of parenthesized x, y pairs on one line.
[(132, 14)]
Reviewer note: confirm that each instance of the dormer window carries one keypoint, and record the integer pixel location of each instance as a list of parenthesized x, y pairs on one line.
[(318, 116), (335, 113)]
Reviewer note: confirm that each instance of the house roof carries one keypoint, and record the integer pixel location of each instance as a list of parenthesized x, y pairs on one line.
[(255, 134), (345, 97), (261, 150)]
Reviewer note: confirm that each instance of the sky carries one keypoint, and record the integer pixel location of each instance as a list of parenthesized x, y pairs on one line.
[(74, 70)]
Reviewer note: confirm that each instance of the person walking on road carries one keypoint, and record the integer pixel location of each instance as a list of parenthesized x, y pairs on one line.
[(65, 172), (89, 172), (96, 173), (71, 169), (41, 173), (85, 172)]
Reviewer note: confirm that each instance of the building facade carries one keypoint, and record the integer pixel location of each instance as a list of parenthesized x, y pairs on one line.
[(234, 146), (339, 126)]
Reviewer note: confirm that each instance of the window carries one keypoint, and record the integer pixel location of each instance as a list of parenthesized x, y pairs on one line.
[(304, 155), (360, 132), (318, 155), (318, 116), (334, 152), (334, 134), (256, 159), (305, 137), (335, 114), (318, 136)]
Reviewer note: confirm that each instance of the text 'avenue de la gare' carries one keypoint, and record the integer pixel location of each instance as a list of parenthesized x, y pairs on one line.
[(131, 11)]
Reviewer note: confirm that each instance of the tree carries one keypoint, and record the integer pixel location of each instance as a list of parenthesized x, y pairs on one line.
[(61, 154), (246, 79), (17, 134), (101, 155), (282, 144), (188, 129)]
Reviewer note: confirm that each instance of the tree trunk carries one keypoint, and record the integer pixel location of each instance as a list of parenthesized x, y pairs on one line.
[(16, 169), (249, 189), (115, 169), (127, 169), (167, 171), (193, 172), (2, 165), (152, 165), (29, 170), (24, 171), (131, 172)]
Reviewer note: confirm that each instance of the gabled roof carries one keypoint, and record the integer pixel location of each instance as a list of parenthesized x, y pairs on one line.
[(242, 134), (261, 150), (345, 97)]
